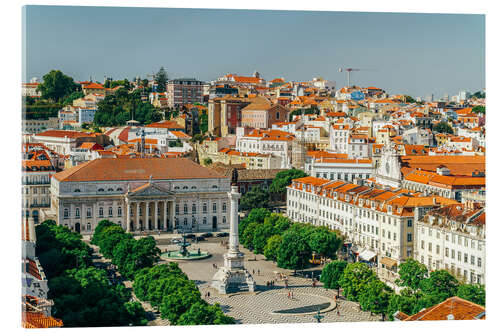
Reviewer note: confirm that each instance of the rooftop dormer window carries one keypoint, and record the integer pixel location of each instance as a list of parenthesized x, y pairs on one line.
[(100, 190)]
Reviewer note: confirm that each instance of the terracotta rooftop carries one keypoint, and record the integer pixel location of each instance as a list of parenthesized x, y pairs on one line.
[(110, 169), (457, 307)]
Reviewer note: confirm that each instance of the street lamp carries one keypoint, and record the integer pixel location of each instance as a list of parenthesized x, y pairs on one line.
[(318, 316)]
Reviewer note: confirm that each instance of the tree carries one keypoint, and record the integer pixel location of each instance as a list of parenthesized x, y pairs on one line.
[(479, 94), (294, 251), (331, 274), (375, 297), (201, 313), (355, 279), (442, 127), (207, 161), (324, 242), (261, 234), (255, 198), (56, 85), (404, 302), (440, 285), (247, 237), (256, 215), (475, 293), (284, 179), (161, 79), (479, 109), (272, 247), (411, 274), (409, 99), (68, 99)]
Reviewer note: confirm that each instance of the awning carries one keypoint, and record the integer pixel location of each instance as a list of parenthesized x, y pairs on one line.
[(367, 255), (388, 262)]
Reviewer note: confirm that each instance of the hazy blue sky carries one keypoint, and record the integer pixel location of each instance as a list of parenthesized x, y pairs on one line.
[(416, 54)]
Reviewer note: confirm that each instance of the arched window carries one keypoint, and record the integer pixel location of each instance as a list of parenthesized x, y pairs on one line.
[(193, 187), (176, 187), (110, 190), (119, 211), (77, 213), (77, 190), (214, 186), (100, 190), (224, 207), (89, 227), (66, 213), (89, 212), (101, 212), (110, 211), (185, 187), (119, 189)]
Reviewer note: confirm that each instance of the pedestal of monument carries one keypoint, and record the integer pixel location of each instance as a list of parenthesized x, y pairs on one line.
[(233, 276)]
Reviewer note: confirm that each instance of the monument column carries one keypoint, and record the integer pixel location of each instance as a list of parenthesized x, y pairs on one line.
[(233, 275)]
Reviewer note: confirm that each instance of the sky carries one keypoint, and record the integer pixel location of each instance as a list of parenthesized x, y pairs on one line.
[(414, 54)]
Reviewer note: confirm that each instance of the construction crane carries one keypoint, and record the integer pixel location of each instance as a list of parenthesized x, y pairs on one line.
[(349, 70)]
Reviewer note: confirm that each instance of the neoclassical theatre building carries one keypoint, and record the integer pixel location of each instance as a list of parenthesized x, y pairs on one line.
[(139, 194)]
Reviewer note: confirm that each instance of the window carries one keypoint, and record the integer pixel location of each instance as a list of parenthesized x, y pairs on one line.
[(100, 190), (176, 208), (479, 264), (185, 208), (452, 254), (410, 223), (110, 211), (119, 211), (77, 190), (204, 207), (101, 212), (185, 221), (224, 220), (459, 256), (89, 212), (77, 213), (466, 257), (408, 237), (204, 220), (224, 207), (423, 245), (447, 252), (193, 208), (214, 207), (430, 247), (437, 249), (472, 260), (89, 227)]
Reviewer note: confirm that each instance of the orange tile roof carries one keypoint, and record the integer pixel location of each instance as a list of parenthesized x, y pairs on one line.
[(63, 133), (93, 85), (39, 320), (180, 134), (456, 306), (111, 169)]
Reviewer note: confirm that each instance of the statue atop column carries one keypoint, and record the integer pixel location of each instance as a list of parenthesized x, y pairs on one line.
[(233, 276)]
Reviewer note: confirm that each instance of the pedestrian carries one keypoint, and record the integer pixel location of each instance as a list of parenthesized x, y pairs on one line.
[(253, 271), (289, 294), (338, 312), (258, 272)]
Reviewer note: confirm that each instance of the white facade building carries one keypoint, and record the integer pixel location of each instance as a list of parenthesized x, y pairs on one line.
[(453, 238), (141, 194)]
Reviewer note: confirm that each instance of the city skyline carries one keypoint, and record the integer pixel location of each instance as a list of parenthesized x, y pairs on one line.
[(295, 45)]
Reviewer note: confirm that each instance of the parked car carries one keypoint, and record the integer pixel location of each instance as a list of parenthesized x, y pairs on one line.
[(207, 235), (176, 240), (200, 238), (222, 234), (190, 236)]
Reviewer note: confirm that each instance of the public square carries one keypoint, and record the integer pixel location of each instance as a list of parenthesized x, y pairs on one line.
[(259, 307)]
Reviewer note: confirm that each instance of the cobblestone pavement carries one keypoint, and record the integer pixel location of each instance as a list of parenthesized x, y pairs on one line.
[(258, 308)]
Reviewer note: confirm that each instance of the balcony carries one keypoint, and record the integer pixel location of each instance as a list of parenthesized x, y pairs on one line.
[(47, 182)]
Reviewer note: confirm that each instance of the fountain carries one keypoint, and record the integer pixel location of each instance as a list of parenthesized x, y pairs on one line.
[(183, 253)]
